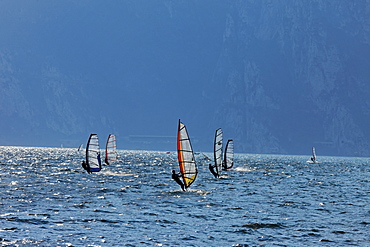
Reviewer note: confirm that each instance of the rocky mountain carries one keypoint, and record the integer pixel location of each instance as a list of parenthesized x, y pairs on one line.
[(278, 76), (296, 75)]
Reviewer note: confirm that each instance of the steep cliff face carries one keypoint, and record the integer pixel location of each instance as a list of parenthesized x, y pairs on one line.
[(296, 76), (11, 100), (15, 112)]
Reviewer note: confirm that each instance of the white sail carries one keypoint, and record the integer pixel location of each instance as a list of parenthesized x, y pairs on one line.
[(229, 155), (218, 150), (111, 149)]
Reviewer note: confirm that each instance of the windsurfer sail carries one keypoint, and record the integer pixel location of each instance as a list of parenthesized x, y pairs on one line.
[(313, 158), (217, 167), (185, 155), (229, 155), (110, 149), (93, 161)]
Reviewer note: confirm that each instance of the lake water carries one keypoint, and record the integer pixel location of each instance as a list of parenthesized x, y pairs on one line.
[(47, 199)]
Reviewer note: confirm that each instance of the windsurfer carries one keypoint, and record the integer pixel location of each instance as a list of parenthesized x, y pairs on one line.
[(212, 170), (176, 177), (224, 166), (85, 167)]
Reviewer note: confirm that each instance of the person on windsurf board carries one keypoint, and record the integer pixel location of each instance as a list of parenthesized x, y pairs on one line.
[(212, 170), (84, 166), (313, 158), (176, 177)]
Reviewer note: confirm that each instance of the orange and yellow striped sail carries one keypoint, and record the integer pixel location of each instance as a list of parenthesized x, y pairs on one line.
[(186, 158)]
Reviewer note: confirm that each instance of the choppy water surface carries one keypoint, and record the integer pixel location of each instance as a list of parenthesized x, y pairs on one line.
[(266, 200)]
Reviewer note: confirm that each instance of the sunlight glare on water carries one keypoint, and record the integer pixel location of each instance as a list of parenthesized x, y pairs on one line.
[(48, 200)]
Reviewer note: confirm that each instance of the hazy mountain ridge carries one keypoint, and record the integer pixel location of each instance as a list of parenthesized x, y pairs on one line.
[(292, 74)]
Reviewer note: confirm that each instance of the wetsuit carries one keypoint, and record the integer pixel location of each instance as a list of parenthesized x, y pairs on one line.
[(85, 167), (211, 168), (224, 167), (176, 177)]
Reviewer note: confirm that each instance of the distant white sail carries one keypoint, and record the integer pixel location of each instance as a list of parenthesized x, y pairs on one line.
[(313, 154), (218, 150)]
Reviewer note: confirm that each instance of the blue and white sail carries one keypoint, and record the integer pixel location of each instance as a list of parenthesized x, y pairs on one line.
[(93, 160)]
